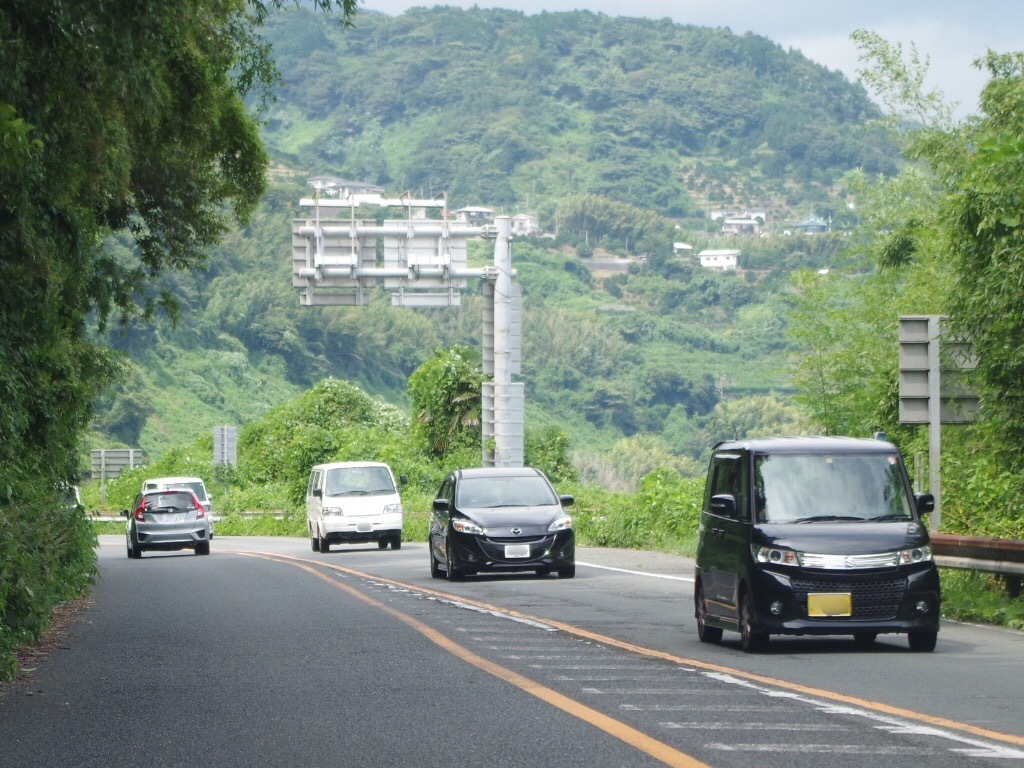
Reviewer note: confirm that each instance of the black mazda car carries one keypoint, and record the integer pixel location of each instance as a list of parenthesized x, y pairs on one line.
[(500, 519)]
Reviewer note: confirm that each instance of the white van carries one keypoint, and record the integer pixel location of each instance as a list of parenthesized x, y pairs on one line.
[(353, 501), (194, 484)]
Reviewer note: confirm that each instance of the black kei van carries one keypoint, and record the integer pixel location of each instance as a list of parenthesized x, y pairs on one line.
[(814, 536)]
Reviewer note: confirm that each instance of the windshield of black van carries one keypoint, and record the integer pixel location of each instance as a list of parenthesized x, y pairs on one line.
[(358, 481), (822, 487)]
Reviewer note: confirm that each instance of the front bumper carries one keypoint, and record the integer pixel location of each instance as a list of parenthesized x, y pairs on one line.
[(882, 602), (337, 528), (482, 553)]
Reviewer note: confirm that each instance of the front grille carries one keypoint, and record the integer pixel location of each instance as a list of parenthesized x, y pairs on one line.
[(515, 539), (872, 600)]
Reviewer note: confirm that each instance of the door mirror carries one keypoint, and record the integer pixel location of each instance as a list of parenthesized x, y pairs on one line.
[(318, 493), (924, 502), (566, 501), (724, 505), (403, 479), (125, 513), (440, 505)]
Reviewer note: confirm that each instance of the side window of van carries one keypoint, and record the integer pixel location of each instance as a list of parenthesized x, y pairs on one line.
[(729, 475), (314, 481)]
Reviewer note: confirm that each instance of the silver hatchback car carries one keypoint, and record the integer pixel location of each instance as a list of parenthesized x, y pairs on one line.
[(167, 519)]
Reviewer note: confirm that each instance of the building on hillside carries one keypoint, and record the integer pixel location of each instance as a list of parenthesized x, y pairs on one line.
[(333, 186), (720, 260), (744, 224), (682, 249), (474, 214), (812, 225), (525, 224)]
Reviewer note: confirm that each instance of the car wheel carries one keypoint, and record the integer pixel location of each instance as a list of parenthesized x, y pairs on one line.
[(752, 639), (567, 572), (382, 543), (923, 641), (396, 542), (705, 633), (134, 550), (451, 572), (864, 638), (314, 542), (203, 548), (436, 571), (325, 545)]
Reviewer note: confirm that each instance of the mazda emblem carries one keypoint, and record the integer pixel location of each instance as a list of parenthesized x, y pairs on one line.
[(516, 531)]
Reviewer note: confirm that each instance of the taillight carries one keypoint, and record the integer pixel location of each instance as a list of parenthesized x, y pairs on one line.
[(138, 512), (201, 512)]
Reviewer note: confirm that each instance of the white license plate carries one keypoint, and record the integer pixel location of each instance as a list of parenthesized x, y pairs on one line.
[(517, 550)]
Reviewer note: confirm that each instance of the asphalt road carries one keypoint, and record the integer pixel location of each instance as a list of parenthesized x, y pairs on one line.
[(266, 653)]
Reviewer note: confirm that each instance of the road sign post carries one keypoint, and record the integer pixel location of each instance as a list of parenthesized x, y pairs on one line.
[(932, 390)]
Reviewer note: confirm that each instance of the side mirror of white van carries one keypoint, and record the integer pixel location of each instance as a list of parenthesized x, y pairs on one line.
[(318, 493)]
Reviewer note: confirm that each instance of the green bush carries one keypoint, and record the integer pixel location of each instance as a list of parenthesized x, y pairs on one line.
[(47, 556)]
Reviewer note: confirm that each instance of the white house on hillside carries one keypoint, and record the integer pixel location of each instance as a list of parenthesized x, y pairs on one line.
[(719, 260), (525, 224)]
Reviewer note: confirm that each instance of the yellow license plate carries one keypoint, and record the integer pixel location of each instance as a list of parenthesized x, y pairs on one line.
[(830, 604)]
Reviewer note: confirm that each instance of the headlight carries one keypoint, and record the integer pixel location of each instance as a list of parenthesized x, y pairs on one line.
[(462, 525), (333, 511), (392, 509), (916, 555), (561, 524), (773, 556)]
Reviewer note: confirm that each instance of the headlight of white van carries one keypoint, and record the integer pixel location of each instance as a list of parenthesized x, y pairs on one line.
[(916, 555), (774, 556), (392, 509), (561, 524), (333, 511)]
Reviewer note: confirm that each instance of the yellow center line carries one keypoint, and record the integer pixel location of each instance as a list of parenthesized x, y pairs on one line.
[(820, 693), (637, 739)]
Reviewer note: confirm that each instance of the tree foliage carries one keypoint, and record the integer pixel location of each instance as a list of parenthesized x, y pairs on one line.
[(114, 118)]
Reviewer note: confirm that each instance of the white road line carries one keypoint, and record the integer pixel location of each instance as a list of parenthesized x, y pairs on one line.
[(636, 573)]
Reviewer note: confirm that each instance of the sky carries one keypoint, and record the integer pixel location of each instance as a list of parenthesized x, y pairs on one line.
[(950, 33)]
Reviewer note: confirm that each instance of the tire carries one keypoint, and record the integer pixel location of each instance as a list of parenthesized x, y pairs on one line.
[(706, 634), (542, 572), (568, 572), (436, 571), (451, 572), (923, 641), (382, 543), (325, 545), (752, 639), (864, 638), (203, 548), (314, 542), (134, 550), (396, 542)]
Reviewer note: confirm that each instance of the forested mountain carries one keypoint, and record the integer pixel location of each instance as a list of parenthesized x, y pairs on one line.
[(519, 111), (620, 132)]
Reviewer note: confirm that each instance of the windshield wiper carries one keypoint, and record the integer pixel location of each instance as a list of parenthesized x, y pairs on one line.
[(826, 519), (890, 516)]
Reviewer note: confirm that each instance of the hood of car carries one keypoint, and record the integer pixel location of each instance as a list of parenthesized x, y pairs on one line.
[(842, 538), (514, 517)]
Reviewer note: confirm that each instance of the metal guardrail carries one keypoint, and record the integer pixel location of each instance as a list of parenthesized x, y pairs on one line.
[(978, 553)]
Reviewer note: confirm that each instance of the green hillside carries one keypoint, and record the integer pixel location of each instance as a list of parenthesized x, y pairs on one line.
[(620, 130), (518, 111)]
